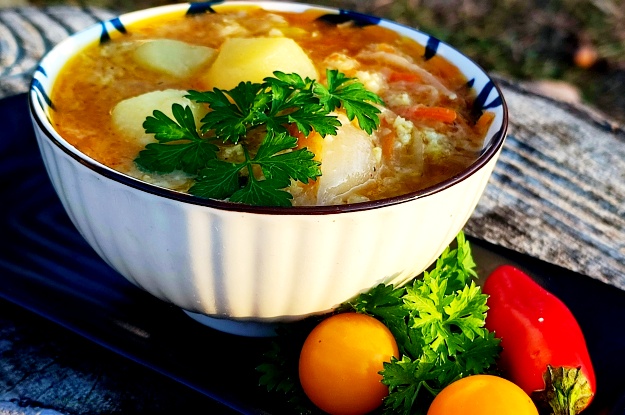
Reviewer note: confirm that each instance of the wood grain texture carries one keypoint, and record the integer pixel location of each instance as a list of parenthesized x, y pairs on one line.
[(26, 33), (558, 190)]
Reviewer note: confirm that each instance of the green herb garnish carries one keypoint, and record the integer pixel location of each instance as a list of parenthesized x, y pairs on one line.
[(257, 117)]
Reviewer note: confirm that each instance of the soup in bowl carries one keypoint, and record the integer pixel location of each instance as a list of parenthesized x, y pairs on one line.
[(258, 162)]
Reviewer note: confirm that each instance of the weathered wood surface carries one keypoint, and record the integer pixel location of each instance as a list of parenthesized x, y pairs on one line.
[(26, 33), (558, 193)]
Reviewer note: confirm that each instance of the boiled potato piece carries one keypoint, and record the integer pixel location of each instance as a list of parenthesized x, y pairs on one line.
[(173, 57), (253, 59), (347, 161), (129, 115)]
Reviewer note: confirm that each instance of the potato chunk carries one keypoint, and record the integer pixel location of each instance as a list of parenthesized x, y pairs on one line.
[(129, 114), (347, 161), (173, 57), (253, 59)]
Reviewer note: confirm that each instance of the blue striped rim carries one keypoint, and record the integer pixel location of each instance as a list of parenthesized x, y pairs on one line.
[(202, 7), (41, 93), (359, 19), (116, 23), (480, 101), (431, 47)]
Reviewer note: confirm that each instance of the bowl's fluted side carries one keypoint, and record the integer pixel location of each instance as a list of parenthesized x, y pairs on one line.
[(259, 266)]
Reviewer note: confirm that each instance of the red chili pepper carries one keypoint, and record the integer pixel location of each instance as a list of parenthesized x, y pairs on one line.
[(543, 348)]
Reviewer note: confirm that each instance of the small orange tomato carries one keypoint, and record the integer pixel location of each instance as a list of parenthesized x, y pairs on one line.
[(482, 395), (340, 361)]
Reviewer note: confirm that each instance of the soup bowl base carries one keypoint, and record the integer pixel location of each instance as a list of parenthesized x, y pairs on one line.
[(239, 327)]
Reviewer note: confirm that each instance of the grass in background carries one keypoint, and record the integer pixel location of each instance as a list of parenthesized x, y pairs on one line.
[(578, 41)]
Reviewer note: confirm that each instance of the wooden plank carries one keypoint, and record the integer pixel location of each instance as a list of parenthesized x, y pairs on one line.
[(558, 191)]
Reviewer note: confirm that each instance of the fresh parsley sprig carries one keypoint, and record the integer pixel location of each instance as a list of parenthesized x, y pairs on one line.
[(256, 116)]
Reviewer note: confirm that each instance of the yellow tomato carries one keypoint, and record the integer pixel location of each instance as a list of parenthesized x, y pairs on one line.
[(340, 361), (482, 395)]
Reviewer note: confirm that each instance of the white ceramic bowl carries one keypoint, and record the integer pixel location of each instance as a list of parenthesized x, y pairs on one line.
[(237, 268)]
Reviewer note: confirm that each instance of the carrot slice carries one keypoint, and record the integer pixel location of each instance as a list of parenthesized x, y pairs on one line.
[(404, 76), (313, 141), (482, 124), (442, 114)]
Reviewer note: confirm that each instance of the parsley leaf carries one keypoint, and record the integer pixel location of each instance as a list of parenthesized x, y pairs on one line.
[(259, 192), (218, 180), (231, 121), (353, 97), (407, 379), (256, 116), (386, 303), (282, 165), (305, 110), (179, 145)]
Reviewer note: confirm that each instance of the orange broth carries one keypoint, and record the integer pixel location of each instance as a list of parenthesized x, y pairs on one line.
[(99, 77)]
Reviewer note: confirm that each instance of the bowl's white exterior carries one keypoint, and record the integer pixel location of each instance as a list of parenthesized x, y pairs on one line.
[(244, 263)]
